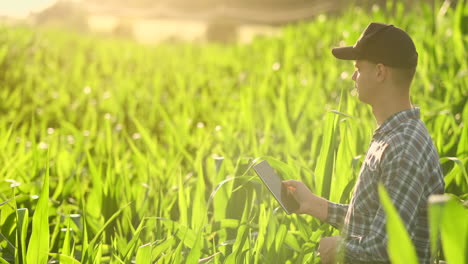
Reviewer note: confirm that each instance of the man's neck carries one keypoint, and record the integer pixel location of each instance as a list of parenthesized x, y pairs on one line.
[(387, 108)]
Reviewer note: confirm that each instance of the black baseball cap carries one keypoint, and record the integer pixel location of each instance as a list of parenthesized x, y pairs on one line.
[(381, 43)]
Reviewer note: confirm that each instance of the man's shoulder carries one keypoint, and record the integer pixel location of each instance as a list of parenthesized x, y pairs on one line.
[(411, 133), (410, 143), (411, 151)]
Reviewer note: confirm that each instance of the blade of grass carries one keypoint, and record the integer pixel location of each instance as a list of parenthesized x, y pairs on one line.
[(22, 215), (454, 231), (64, 258), (38, 246), (325, 163), (143, 255), (400, 248)]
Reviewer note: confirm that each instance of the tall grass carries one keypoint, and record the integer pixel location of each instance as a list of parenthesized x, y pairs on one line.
[(143, 153)]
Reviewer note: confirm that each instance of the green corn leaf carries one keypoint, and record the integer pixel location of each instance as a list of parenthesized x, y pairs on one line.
[(280, 237), (448, 222), (67, 240), (325, 164), (292, 242), (64, 258), (22, 215), (195, 251), (129, 252), (454, 232), (109, 221), (38, 247), (177, 256), (400, 248), (143, 255), (182, 200), (436, 213), (97, 254)]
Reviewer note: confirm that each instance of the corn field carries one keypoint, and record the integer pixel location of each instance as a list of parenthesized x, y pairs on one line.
[(118, 152)]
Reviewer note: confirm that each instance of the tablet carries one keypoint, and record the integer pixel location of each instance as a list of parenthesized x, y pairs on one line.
[(274, 183)]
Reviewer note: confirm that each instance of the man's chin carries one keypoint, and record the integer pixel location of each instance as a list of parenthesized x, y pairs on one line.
[(363, 98)]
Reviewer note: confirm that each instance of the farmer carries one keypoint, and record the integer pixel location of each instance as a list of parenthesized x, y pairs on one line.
[(401, 156)]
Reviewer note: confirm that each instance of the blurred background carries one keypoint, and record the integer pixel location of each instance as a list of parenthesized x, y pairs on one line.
[(153, 21)]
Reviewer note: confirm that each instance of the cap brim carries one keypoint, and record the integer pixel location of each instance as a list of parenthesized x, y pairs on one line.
[(345, 53)]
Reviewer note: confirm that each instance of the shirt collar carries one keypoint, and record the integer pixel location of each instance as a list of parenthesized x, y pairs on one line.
[(396, 119)]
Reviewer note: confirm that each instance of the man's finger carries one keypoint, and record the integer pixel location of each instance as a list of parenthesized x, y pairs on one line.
[(290, 184), (291, 189)]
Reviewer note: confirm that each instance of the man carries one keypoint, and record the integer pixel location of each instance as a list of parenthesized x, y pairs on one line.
[(401, 155)]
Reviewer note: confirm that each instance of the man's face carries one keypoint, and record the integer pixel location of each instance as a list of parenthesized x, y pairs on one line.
[(364, 78)]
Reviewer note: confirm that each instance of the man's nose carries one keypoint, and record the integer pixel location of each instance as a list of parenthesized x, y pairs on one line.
[(354, 76)]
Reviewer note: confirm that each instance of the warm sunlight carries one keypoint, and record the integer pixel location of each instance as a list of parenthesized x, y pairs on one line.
[(22, 8)]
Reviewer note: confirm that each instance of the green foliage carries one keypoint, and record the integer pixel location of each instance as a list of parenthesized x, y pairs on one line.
[(144, 254), (448, 220), (400, 247), (143, 153), (38, 246), (22, 215)]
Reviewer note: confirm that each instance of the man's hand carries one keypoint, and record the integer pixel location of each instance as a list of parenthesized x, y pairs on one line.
[(328, 249), (308, 202), (301, 193)]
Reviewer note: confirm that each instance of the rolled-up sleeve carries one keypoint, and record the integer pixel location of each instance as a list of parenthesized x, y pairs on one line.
[(402, 179)]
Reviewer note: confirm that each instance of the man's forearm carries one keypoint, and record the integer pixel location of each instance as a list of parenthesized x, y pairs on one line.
[(318, 207)]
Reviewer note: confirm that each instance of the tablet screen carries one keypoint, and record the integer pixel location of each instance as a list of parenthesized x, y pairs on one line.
[(276, 187)]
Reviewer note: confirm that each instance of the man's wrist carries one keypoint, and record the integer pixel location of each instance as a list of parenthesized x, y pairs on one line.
[(318, 208)]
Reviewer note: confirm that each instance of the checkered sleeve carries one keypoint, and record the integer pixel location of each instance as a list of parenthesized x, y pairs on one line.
[(336, 214), (402, 178)]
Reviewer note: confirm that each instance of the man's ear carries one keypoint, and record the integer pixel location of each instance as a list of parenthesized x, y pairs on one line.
[(381, 72)]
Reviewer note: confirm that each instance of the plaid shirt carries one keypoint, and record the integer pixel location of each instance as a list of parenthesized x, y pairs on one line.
[(403, 157)]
